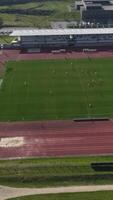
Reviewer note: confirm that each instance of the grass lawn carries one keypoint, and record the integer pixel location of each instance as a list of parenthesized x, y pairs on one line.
[(106, 195), (6, 39), (45, 172), (60, 89), (60, 12)]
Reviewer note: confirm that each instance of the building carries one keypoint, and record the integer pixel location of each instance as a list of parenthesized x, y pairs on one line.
[(51, 39), (96, 11)]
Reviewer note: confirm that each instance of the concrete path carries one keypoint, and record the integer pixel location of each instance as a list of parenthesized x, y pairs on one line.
[(9, 192)]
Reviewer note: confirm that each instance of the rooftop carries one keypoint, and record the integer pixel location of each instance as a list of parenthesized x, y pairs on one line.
[(49, 32), (97, 1), (107, 7), (93, 4)]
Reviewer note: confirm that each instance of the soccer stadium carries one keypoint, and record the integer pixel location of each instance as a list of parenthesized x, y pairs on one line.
[(57, 85), (56, 107)]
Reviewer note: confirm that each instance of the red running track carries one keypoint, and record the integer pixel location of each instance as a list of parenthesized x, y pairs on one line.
[(58, 138), (7, 55)]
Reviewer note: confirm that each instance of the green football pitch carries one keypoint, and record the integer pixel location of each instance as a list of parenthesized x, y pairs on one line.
[(56, 89)]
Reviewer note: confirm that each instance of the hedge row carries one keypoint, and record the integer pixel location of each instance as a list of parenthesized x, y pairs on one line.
[(27, 11)]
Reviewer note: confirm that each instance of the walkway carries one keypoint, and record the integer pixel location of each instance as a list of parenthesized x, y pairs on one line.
[(9, 192)]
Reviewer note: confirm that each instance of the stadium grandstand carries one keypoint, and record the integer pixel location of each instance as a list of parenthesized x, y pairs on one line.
[(44, 39)]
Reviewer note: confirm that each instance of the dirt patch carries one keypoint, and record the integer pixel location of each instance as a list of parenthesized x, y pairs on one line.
[(11, 142)]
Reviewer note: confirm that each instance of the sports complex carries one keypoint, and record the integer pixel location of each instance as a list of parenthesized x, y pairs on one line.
[(56, 112), (55, 99)]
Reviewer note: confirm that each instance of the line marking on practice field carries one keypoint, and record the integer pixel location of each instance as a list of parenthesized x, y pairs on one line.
[(1, 81)]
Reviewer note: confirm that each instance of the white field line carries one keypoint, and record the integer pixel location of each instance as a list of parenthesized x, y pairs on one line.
[(1, 81)]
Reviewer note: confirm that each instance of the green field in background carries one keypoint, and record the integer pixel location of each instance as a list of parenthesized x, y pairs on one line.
[(61, 12), (106, 195), (46, 172), (59, 89)]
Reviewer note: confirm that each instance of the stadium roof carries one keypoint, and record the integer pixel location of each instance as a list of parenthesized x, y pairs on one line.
[(49, 32)]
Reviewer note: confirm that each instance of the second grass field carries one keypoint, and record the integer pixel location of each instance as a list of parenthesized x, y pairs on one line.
[(58, 89)]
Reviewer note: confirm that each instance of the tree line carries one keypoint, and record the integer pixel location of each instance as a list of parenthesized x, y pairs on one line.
[(11, 2), (28, 11)]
